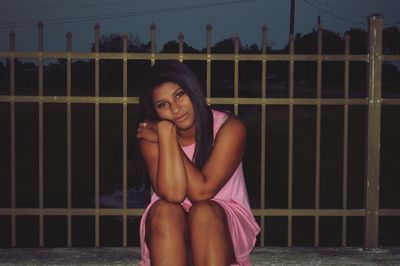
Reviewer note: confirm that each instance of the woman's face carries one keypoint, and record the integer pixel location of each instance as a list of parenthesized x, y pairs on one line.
[(173, 104)]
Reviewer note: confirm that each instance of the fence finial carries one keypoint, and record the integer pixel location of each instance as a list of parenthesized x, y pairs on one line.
[(319, 48), (375, 15), (264, 29), (125, 42), (11, 37), (97, 37), (236, 39), (180, 39), (181, 36), (291, 37), (291, 43), (40, 35), (69, 41), (208, 37), (153, 28)]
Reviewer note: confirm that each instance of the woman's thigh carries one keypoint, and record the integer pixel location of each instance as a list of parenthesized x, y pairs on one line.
[(209, 230), (166, 234), (165, 218)]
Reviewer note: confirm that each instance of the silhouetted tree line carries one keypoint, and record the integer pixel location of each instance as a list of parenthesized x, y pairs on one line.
[(111, 71)]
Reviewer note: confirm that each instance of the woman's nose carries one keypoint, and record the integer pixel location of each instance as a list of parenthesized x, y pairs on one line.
[(175, 108)]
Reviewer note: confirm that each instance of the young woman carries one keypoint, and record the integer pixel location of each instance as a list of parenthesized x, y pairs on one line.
[(199, 212)]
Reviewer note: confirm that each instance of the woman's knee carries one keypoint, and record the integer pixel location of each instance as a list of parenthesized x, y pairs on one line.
[(164, 216), (205, 214)]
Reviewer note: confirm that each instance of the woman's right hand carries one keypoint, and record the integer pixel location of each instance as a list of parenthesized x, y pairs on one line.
[(147, 131)]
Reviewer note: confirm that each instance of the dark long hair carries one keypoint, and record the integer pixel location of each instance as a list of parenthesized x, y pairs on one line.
[(173, 71)]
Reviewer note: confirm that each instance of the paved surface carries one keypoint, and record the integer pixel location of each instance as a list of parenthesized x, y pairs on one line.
[(260, 256)]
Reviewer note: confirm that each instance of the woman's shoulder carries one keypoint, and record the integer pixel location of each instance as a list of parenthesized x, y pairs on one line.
[(220, 117), (226, 122)]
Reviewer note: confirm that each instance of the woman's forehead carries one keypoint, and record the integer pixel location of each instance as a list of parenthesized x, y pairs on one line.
[(166, 89)]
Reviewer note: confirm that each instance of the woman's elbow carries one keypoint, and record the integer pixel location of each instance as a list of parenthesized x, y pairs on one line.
[(173, 196), (196, 197)]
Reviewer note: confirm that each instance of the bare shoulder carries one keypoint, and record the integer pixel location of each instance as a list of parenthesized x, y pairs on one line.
[(232, 128)]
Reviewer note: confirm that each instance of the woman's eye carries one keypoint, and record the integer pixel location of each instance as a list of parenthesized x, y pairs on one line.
[(161, 105), (179, 94)]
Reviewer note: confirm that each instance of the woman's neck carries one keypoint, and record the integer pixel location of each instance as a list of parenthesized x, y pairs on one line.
[(187, 137)]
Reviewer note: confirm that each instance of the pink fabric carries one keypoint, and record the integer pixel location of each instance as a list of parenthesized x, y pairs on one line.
[(232, 198)]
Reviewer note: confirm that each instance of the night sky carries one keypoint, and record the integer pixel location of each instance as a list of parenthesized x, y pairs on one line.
[(228, 17)]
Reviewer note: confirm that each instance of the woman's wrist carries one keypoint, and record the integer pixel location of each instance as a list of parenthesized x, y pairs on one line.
[(165, 127)]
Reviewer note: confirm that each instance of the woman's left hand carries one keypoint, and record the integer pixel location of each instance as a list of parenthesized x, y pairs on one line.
[(147, 131)]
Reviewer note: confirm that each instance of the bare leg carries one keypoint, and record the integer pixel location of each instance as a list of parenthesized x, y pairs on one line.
[(166, 234), (209, 235)]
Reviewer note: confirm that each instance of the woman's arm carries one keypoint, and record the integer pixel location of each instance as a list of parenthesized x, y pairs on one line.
[(171, 175), (225, 157), (164, 162)]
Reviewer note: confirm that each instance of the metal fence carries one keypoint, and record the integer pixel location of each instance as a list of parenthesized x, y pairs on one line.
[(374, 60)]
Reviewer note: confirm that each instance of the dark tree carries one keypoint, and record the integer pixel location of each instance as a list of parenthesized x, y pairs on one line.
[(173, 47), (226, 46), (391, 40), (114, 43), (358, 41)]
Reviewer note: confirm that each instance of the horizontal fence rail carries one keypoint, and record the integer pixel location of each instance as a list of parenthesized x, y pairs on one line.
[(374, 59)]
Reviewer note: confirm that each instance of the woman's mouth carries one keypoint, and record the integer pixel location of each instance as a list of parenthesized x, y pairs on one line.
[(181, 118)]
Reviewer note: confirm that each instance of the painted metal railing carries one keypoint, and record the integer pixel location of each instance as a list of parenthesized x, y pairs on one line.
[(374, 59)]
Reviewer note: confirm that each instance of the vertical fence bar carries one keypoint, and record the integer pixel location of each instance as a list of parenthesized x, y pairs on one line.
[(236, 77), (97, 133), (12, 133), (69, 142), (263, 127), (290, 140), (125, 142), (208, 82), (40, 77), (153, 52), (69, 152), (153, 43), (318, 139), (375, 28), (180, 40), (345, 140)]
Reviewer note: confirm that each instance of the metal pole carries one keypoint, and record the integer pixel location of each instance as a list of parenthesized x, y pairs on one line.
[(375, 28), (292, 14)]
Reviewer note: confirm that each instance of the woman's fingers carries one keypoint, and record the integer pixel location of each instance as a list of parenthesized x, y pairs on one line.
[(147, 134), (148, 125)]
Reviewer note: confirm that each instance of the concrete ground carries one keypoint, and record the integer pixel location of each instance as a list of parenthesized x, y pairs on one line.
[(260, 256)]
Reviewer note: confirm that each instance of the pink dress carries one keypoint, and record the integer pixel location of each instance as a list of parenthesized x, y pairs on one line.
[(232, 198)]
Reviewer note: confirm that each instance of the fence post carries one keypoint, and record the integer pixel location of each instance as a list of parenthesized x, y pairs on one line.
[(153, 42), (125, 141), (180, 40), (12, 137), (263, 130), (208, 82), (236, 40), (69, 139), (40, 140), (375, 28), (97, 132)]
